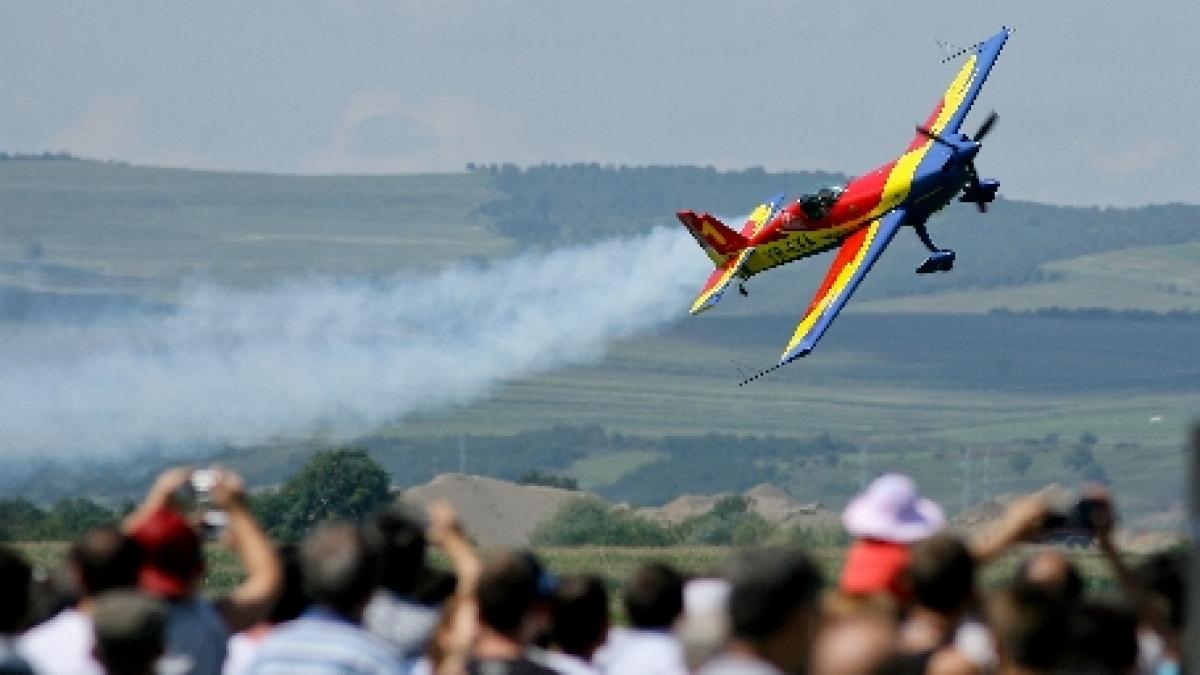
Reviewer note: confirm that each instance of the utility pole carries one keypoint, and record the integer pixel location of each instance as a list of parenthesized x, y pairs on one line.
[(462, 454), (1192, 629), (966, 479), (987, 473), (862, 466)]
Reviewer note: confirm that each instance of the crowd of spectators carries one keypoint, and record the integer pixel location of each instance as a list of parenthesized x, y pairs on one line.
[(368, 598)]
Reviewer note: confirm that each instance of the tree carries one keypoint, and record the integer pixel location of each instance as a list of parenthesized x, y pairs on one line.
[(21, 519), (69, 518), (341, 483), (1078, 457), (587, 521), (547, 479), (1020, 462)]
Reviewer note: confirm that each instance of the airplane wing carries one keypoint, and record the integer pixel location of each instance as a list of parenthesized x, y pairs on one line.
[(854, 259), (952, 109)]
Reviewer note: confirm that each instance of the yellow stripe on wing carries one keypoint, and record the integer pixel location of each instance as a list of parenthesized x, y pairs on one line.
[(845, 275)]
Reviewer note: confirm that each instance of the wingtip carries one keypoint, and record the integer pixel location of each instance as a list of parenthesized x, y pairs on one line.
[(797, 353)]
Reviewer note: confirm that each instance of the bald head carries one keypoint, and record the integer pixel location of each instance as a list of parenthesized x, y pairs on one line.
[(338, 568), (1052, 572)]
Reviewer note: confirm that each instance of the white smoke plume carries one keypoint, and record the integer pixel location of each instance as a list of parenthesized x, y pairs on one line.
[(335, 357)]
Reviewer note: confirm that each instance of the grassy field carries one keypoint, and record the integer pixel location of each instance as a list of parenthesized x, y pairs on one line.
[(1156, 278), (116, 227)]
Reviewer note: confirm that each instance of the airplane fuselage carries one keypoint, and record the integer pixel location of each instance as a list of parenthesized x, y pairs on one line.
[(923, 180)]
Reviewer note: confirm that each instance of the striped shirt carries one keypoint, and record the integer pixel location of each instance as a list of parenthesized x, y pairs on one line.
[(323, 643)]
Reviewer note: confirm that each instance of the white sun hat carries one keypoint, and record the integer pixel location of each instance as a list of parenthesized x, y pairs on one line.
[(890, 509)]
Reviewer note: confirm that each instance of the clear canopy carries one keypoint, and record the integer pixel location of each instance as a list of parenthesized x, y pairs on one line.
[(816, 205)]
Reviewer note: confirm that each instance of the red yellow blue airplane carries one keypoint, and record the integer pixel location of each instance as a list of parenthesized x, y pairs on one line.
[(859, 218)]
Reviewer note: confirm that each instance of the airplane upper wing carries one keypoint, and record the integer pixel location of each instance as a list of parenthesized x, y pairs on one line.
[(952, 109), (854, 259)]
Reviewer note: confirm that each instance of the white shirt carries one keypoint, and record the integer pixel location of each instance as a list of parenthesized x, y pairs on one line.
[(61, 645), (566, 664), (644, 652)]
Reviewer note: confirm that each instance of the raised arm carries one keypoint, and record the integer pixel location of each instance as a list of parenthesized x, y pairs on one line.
[(251, 600), (1022, 521)]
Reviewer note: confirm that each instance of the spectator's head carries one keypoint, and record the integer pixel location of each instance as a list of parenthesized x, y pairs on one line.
[(942, 574), (400, 539), (130, 632), (891, 509), (1103, 639), (654, 597), (15, 578), (1053, 572), (861, 644), (580, 615), (292, 599), (1162, 577), (773, 604), (1030, 626), (508, 590), (103, 559), (339, 568), (172, 559)]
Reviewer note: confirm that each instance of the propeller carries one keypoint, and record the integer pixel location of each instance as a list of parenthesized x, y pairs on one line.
[(986, 127), (989, 123)]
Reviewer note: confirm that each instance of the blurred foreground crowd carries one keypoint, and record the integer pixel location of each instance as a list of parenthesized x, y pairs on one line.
[(366, 598)]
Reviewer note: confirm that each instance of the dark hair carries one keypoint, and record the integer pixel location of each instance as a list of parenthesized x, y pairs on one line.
[(130, 631), (1031, 625), (654, 596), (767, 586), (293, 599), (15, 578), (942, 571), (1103, 638), (105, 559), (338, 567), (507, 590), (400, 541), (580, 615), (1162, 576)]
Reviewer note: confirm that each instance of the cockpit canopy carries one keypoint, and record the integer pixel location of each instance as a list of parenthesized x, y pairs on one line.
[(817, 205)]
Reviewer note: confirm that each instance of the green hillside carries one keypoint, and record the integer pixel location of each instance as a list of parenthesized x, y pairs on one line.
[(918, 374)]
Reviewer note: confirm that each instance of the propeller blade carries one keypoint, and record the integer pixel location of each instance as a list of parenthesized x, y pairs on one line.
[(935, 138), (986, 127)]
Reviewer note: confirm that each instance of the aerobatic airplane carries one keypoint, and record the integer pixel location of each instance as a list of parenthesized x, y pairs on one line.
[(861, 217)]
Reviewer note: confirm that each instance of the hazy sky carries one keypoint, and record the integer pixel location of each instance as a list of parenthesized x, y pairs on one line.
[(1099, 100)]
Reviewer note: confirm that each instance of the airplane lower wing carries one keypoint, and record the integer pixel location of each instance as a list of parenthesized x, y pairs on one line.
[(854, 259)]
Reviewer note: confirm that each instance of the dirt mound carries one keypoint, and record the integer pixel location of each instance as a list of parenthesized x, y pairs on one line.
[(497, 513), (768, 501), (777, 506), (681, 508)]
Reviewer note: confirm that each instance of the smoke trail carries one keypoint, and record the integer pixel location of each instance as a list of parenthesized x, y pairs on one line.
[(339, 357)]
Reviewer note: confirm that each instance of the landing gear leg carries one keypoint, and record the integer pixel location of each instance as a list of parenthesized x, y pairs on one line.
[(939, 260), (742, 290)]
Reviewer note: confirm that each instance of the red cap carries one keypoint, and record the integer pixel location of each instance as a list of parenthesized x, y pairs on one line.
[(874, 566), (172, 555)]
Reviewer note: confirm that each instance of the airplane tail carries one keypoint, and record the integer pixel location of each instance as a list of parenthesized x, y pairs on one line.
[(727, 249), (717, 240)]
